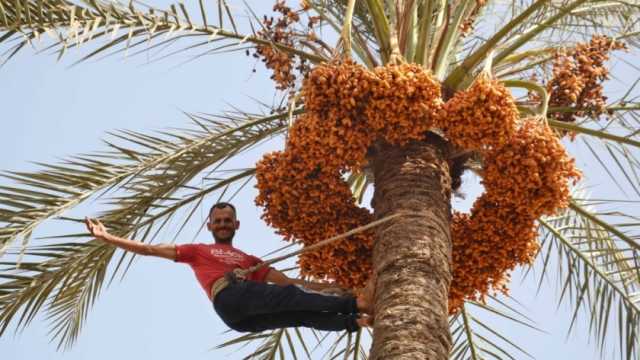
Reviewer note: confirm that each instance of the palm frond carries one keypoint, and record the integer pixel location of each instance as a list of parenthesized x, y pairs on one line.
[(285, 341), (72, 24), (598, 267), (609, 141), (363, 19), (614, 18), (557, 25), (66, 282), (358, 182), (462, 72), (474, 337), (333, 14), (617, 157), (381, 27), (450, 38), (49, 192), (538, 26)]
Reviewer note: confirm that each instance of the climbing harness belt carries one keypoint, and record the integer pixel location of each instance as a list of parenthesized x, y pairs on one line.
[(239, 274)]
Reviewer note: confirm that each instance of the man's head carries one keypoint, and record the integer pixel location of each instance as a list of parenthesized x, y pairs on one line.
[(222, 222)]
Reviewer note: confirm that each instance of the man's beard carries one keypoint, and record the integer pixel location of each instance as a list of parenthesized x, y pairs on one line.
[(224, 240)]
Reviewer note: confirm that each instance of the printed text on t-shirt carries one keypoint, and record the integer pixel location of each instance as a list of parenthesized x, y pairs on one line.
[(227, 256)]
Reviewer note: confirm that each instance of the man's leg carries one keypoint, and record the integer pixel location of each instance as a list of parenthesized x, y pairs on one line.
[(315, 320), (250, 298)]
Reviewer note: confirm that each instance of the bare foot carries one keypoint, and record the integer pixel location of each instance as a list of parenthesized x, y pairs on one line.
[(364, 305), (366, 297), (365, 321)]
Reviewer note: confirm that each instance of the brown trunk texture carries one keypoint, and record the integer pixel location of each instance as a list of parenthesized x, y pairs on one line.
[(412, 253)]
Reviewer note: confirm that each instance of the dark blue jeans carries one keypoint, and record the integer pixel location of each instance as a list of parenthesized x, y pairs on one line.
[(249, 306)]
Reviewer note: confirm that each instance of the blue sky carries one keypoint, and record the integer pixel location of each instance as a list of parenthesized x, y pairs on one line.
[(159, 311)]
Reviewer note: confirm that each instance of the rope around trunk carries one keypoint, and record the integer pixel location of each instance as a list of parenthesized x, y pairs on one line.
[(245, 272)]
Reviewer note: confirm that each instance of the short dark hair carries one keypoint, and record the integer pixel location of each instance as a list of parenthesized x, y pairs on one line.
[(222, 205)]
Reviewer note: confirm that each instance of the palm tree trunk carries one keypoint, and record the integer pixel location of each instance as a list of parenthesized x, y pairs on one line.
[(412, 253)]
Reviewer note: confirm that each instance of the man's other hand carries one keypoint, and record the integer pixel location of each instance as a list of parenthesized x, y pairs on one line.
[(96, 228), (338, 291)]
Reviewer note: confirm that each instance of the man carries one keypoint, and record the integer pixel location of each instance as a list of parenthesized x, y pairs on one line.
[(267, 298)]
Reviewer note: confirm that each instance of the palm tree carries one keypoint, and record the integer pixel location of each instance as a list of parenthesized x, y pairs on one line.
[(597, 253)]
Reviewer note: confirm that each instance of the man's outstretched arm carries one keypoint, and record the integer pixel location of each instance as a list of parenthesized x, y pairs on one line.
[(276, 277), (95, 227)]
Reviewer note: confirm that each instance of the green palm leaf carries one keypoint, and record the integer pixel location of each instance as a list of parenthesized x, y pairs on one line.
[(57, 188), (538, 24), (284, 342), (598, 271), (72, 24), (474, 337)]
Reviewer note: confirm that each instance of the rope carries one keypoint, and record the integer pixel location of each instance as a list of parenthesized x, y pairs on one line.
[(245, 272)]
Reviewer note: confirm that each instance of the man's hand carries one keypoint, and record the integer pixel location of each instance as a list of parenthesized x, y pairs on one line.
[(278, 278), (338, 291), (96, 228)]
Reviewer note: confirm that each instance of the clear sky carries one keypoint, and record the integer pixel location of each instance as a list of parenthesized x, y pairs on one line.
[(50, 111)]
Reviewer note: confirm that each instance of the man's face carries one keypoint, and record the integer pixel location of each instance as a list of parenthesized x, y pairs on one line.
[(223, 225)]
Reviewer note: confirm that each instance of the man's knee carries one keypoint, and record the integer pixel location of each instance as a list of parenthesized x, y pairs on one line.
[(240, 327), (253, 324), (286, 292)]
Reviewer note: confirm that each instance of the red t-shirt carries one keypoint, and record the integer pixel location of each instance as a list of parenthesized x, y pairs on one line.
[(211, 261)]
